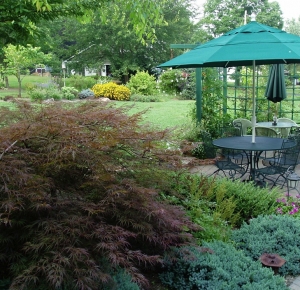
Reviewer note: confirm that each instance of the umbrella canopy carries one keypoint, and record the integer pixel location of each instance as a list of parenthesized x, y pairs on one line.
[(251, 44), (239, 47), (276, 91)]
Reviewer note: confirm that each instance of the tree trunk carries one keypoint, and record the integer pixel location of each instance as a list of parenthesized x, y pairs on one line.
[(6, 82), (19, 82)]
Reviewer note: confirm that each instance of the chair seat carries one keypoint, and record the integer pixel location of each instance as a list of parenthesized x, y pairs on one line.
[(283, 161)]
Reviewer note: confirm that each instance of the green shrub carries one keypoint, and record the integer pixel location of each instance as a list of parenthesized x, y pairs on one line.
[(53, 92), (217, 266), (189, 89), (142, 83), (143, 98), (120, 281), (30, 86), (272, 234), (69, 93), (37, 94), (172, 81), (88, 93), (217, 204), (112, 91), (81, 82)]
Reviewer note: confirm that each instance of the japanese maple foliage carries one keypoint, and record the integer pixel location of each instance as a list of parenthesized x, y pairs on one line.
[(70, 199)]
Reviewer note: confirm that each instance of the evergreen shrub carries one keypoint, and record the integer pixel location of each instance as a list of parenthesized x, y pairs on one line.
[(272, 234), (87, 93), (142, 83), (217, 265)]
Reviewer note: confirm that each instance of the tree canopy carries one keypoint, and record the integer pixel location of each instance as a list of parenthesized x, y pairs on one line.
[(19, 19), (116, 41), (221, 16)]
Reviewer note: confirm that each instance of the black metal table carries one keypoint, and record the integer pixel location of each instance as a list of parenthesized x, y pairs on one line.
[(245, 144)]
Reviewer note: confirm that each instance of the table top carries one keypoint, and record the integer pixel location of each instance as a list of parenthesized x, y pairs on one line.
[(279, 125), (245, 143)]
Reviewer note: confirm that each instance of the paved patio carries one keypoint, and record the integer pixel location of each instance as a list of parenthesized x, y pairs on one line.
[(208, 169)]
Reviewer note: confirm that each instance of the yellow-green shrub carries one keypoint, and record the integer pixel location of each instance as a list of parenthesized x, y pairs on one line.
[(112, 91), (122, 93)]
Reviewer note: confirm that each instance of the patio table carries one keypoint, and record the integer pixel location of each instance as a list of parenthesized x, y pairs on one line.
[(282, 127), (279, 125), (245, 144)]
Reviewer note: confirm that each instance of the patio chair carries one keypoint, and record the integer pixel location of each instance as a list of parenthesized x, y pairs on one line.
[(244, 123), (232, 163), (267, 132), (294, 131), (281, 164), (285, 131)]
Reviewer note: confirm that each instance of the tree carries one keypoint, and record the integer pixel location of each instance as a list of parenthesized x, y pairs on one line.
[(19, 59), (19, 19), (293, 26), (221, 16), (79, 196), (116, 41)]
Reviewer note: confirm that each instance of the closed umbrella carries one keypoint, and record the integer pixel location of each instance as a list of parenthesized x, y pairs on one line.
[(248, 45), (276, 91)]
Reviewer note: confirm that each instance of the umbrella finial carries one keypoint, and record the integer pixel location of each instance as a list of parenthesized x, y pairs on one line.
[(253, 17)]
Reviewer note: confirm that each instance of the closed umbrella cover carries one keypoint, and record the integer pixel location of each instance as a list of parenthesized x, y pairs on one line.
[(276, 90)]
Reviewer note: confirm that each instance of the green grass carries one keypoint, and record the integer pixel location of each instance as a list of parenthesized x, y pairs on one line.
[(13, 85), (165, 114)]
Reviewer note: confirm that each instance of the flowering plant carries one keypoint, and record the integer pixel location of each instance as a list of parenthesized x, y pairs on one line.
[(289, 206)]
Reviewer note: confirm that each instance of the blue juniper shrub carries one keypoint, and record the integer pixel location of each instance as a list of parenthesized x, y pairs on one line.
[(217, 265), (276, 234)]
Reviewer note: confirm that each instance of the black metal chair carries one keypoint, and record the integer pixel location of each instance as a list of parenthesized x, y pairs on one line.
[(281, 163), (232, 163)]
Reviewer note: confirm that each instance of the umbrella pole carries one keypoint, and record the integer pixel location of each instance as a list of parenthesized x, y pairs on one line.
[(253, 105)]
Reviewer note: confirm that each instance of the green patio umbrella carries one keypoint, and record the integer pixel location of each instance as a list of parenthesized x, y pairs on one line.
[(276, 91), (249, 45)]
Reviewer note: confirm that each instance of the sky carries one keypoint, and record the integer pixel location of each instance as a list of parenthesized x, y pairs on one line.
[(289, 8)]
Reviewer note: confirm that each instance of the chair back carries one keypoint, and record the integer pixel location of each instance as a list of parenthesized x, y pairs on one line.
[(289, 154), (286, 120), (245, 124), (230, 131), (267, 132), (286, 131), (294, 131)]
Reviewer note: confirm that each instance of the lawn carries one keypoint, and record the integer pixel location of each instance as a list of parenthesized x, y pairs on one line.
[(163, 114), (13, 85), (169, 113)]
